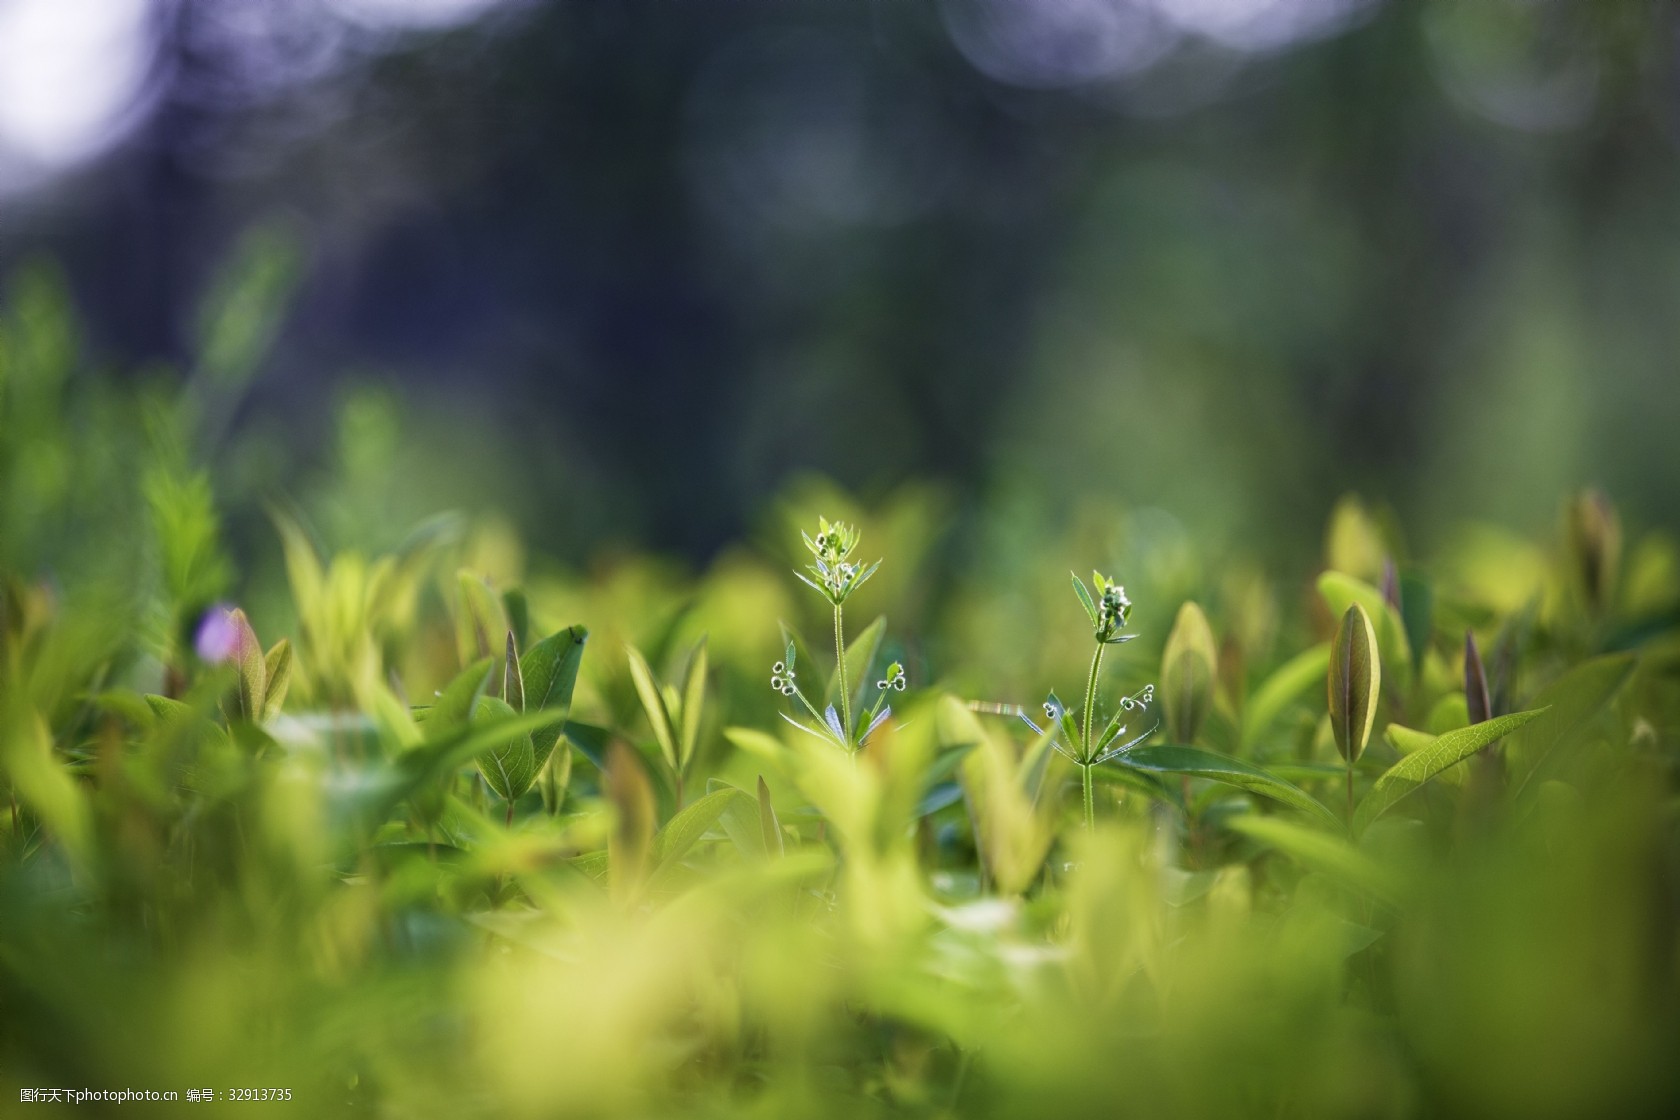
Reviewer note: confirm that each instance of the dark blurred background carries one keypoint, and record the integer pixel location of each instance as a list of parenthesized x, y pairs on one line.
[(622, 269)]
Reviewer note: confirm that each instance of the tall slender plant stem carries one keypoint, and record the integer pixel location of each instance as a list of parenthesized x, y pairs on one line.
[(840, 671), (1089, 714), (1090, 797)]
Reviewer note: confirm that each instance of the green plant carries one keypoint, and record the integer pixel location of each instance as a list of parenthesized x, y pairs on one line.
[(835, 576), (1409, 850)]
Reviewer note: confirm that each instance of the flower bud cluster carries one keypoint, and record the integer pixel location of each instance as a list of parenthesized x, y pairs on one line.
[(836, 575), (1113, 608)]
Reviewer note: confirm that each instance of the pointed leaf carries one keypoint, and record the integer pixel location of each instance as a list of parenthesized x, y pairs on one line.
[(513, 682), (653, 703), (1198, 763), (1320, 851), (860, 654), (253, 671), (556, 777), (686, 828), (1417, 768), (1285, 686), (278, 663), (518, 610), (510, 765), (454, 705), (1084, 598), (693, 703), (769, 826), (1577, 699), (1417, 613), (479, 622), (592, 742), (549, 670)]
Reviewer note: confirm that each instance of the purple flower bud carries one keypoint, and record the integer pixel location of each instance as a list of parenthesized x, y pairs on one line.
[(217, 639)]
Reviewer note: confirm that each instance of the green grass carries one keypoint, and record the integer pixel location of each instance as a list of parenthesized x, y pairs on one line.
[(440, 832)]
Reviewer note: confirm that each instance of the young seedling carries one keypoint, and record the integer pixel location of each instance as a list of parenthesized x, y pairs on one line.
[(834, 575), (1086, 746)]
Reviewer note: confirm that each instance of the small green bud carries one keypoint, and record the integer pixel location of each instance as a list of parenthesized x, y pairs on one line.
[(1355, 682), (1189, 667), (1594, 535)]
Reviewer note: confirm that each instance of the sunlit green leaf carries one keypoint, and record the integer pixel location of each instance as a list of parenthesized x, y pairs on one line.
[(653, 703), (1423, 764), (693, 704), (1576, 701), (1320, 851), (1293, 680), (1199, 763)]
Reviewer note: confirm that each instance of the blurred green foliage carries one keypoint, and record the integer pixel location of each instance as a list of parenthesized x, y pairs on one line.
[(469, 833)]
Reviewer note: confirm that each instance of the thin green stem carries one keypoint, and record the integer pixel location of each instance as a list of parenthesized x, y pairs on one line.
[(1090, 796), (840, 671), (1088, 715), (1350, 793), (799, 695)]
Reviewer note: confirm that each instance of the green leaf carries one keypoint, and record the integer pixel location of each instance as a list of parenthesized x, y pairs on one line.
[(513, 683), (510, 765), (454, 705), (1142, 781), (1198, 763), (253, 670), (437, 758), (653, 703), (1189, 666), (278, 664), (1417, 613), (479, 621), (1085, 598), (693, 703), (1283, 687), (766, 748), (685, 829), (1417, 768), (549, 670), (860, 654), (769, 826), (1355, 683), (518, 609), (741, 820), (1322, 852), (1577, 699), (556, 776)]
